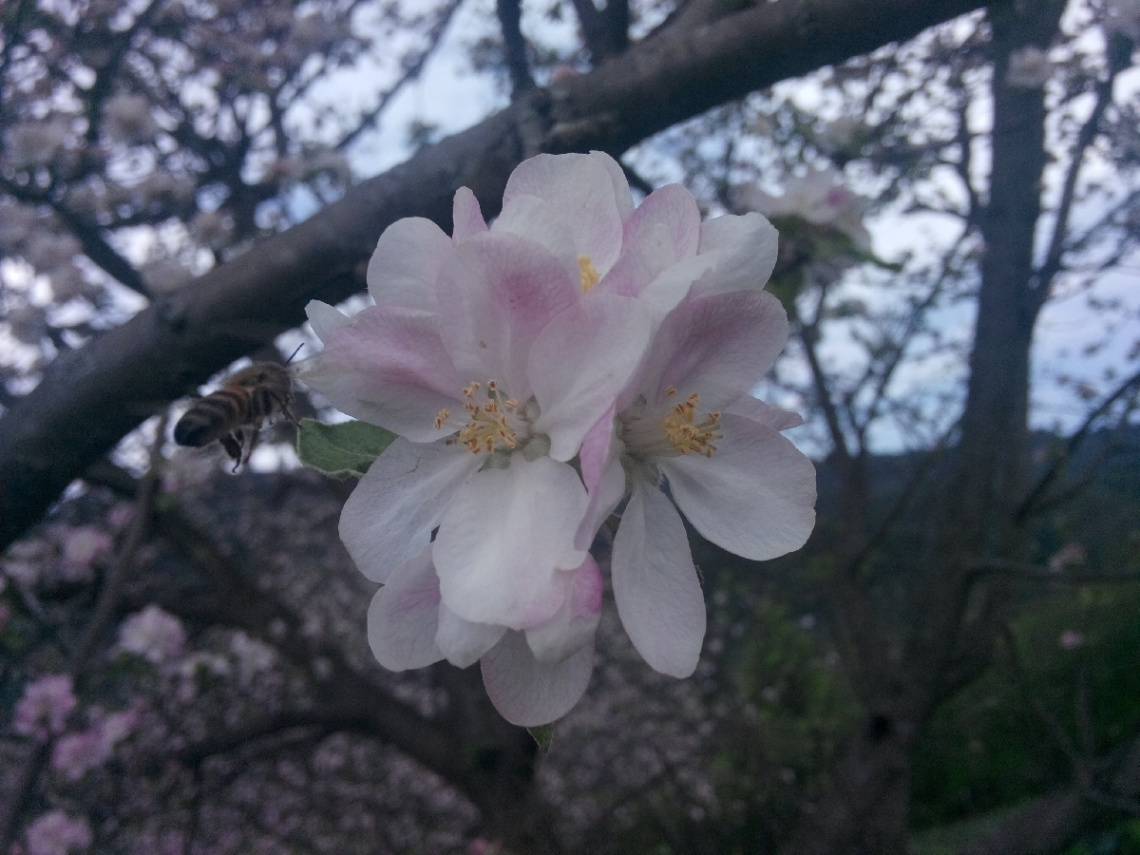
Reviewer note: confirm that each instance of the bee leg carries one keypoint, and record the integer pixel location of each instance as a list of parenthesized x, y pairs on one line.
[(234, 443), (289, 417), (250, 444)]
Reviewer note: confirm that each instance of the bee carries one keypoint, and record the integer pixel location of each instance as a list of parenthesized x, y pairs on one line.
[(234, 414)]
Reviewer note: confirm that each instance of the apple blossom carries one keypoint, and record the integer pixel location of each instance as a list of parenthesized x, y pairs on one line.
[(44, 707), (56, 833), (153, 634), (498, 355), (690, 423)]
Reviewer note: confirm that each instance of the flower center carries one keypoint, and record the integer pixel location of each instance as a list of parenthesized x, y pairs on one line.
[(680, 430), (590, 276), (495, 421)]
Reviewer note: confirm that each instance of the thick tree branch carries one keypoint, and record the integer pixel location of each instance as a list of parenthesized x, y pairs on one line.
[(89, 399)]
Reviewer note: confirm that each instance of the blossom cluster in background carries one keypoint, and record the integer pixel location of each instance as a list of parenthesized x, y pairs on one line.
[(578, 357)]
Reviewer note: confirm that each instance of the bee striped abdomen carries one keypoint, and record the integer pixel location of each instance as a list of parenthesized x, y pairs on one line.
[(216, 415)]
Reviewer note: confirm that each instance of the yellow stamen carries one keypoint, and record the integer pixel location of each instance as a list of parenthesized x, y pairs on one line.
[(489, 426), (687, 437), (589, 273)]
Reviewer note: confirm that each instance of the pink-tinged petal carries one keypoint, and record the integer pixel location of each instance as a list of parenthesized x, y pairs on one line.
[(664, 230), (404, 268), (574, 624), (389, 367), (666, 291), (582, 188), (466, 216), (604, 500), (503, 538), (765, 414), (746, 250), (389, 516), (325, 319), (655, 583), (527, 692), (755, 496), (718, 346), (581, 363), (537, 220), (673, 208), (603, 476), (599, 446), (496, 295), (403, 616), (462, 641)]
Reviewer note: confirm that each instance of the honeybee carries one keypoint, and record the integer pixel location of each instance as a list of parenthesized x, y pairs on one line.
[(234, 414)]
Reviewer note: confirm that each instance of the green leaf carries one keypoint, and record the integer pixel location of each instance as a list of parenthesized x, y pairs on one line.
[(543, 735), (341, 450)]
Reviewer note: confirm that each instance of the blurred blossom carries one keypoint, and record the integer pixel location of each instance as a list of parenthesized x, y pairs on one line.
[(127, 118), (153, 634), (67, 283), (1123, 16), (199, 665), (820, 197), (47, 251), (1029, 68), (44, 707), (1071, 639), (16, 223), (213, 229), (37, 143), (56, 833), (74, 754), (1070, 555), (252, 655), (28, 323), (163, 188), (81, 545), (839, 134)]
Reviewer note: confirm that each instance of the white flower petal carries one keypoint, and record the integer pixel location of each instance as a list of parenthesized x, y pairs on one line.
[(580, 363), (583, 189), (719, 346), (503, 538), (755, 496), (527, 692), (763, 413), (325, 319), (745, 247), (464, 642), (658, 594), (537, 220), (389, 516), (389, 367), (404, 268), (466, 217), (604, 500), (403, 616), (574, 624)]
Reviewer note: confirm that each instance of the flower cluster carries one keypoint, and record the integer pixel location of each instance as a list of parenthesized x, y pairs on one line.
[(578, 357)]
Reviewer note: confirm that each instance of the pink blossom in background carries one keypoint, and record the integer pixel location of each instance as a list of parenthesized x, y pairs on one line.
[(80, 546), (56, 833), (75, 753), (44, 707), (1071, 639), (153, 634), (820, 197)]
